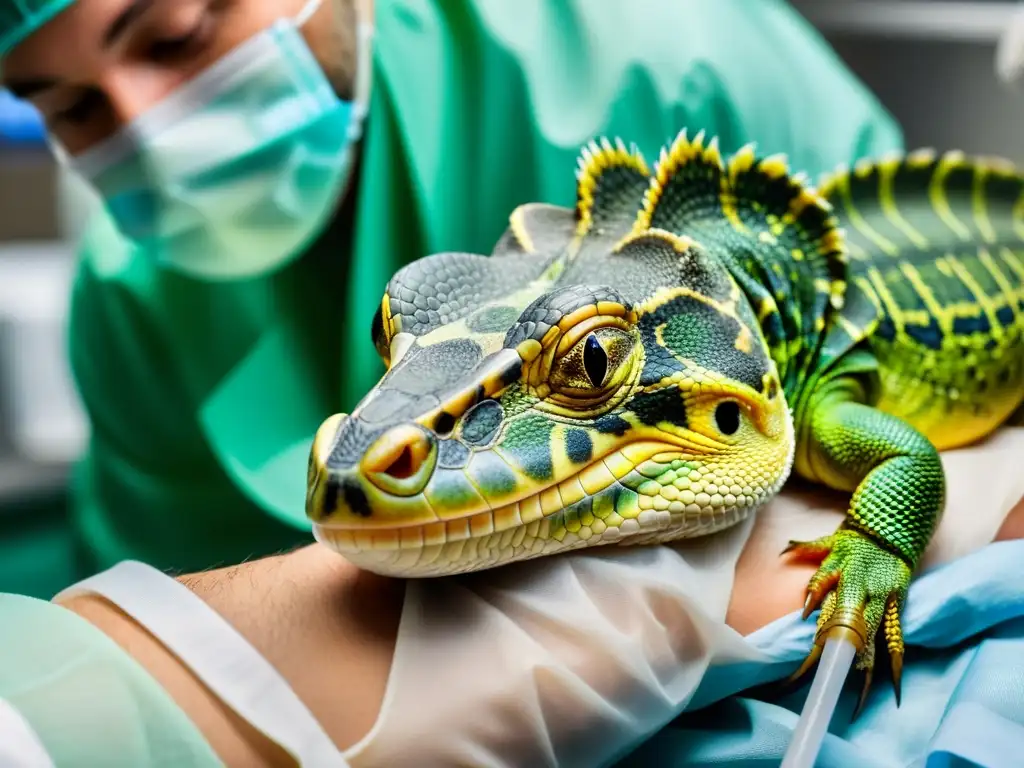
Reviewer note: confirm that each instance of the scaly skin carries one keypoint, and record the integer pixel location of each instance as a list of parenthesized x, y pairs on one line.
[(652, 365)]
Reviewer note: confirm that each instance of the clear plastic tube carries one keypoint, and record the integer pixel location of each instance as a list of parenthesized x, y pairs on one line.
[(836, 658)]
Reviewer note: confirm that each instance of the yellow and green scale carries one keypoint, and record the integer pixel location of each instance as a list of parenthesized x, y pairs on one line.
[(653, 364)]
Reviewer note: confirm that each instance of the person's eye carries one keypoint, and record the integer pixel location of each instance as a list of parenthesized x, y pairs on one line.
[(80, 111), (176, 47), (173, 48)]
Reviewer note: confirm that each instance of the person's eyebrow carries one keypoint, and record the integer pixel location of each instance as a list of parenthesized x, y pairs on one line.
[(24, 89), (124, 20)]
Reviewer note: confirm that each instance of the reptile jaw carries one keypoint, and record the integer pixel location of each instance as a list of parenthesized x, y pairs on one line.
[(647, 499), (404, 553)]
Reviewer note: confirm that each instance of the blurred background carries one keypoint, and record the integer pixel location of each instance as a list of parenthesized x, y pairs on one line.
[(933, 63)]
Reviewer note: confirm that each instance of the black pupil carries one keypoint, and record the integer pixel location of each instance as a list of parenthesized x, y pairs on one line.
[(727, 416), (595, 361)]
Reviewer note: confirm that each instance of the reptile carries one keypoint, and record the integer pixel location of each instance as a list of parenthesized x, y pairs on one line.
[(656, 362)]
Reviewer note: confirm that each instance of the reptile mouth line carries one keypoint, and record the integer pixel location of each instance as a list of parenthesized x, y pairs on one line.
[(624, 460), (406, 557), (489, 538)]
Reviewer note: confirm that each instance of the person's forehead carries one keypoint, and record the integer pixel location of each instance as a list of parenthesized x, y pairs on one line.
[(45, 43), (20, 18)]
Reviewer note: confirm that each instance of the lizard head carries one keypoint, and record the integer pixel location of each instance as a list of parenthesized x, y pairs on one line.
[(598, 379)]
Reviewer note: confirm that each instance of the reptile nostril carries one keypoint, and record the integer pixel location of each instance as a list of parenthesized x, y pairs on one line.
[(404, 466), (399, 455)]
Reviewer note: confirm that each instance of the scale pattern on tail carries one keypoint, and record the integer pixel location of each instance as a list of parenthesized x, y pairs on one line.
[(937, 283)]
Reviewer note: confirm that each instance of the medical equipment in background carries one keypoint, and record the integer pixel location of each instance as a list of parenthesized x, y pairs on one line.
[(1010, 51), (836, 658), (42, 418), (45, 422)]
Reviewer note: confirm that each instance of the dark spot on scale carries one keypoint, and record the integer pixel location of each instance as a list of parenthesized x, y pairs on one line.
[(511, 375), (610, 424), (663, 405), (1005, 316), (355, 498), (536, 462), (578, 446), (444, 423), (886, 330), (481, 422), (331, 494), (929, 336)]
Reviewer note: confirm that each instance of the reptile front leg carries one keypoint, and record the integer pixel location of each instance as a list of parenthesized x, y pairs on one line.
[(898, 488)]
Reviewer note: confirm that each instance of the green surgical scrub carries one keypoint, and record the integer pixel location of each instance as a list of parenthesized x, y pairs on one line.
[(89, 703), (204, 397)]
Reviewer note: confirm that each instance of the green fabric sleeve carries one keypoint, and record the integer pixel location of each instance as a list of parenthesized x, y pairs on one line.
[(148, 482), (88, 701)]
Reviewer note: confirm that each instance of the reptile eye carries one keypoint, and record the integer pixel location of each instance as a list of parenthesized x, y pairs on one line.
[(595, 366), (595, 361), (727, 417)]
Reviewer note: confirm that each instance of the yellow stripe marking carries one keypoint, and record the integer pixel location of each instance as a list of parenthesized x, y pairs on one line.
[(858, 221), (869, 291), (978, 205), (1013, 261), (1011, 295), (979, 294), (935, 307), (729, 208), (766, 308), (517, 223), (853, 331), (741, 162), (892, 308), (595, 159), (937, 195), (887, 197), (857, 251)]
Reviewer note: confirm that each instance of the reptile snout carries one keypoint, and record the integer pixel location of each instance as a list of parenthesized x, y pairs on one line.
[(361, 474)]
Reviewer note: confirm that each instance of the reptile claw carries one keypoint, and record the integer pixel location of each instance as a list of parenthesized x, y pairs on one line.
[(860, 589), (810, 661), (868, 675), (897, 674)]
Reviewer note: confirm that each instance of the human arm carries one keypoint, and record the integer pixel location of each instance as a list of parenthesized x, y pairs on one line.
[(326, 627), (580, 636)]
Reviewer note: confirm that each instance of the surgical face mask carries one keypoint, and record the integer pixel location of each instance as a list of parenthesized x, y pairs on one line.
[(235, 173)]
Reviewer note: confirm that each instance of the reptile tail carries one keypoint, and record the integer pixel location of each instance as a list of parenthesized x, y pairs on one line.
[(951, 228), (922, 202)]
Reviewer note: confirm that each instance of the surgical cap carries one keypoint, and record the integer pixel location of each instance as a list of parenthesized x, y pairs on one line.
[(20, 18)]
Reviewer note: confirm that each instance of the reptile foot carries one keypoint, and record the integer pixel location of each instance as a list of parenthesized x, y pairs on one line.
[(860, 588)]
